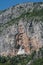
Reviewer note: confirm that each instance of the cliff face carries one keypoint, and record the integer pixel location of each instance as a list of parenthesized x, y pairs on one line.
[(21, 29), (14, 12)]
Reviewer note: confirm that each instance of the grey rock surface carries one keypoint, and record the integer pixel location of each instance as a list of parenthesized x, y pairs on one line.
[(33, 28)]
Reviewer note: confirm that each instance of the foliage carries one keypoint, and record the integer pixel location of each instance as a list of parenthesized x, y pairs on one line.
[(23, 59), (38, 61)]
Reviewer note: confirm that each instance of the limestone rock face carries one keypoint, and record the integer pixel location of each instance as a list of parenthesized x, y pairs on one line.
[(22, 38), (24, 35), (14, 12)]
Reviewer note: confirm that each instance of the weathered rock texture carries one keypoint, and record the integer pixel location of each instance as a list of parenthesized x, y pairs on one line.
[(24, 36)]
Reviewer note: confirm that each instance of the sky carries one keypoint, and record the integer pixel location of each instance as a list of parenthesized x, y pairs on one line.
[(4, 4)]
